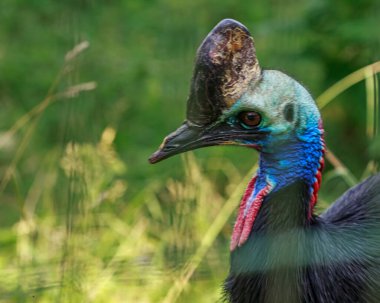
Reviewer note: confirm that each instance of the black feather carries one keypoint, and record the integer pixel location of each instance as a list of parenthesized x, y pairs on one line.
[(332, 258)]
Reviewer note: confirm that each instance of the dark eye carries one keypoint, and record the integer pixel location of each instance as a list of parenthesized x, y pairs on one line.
[(249, 119)]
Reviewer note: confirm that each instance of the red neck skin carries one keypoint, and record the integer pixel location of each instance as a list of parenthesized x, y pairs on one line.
[(245, 219)]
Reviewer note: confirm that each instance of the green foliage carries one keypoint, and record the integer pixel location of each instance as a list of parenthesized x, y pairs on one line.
[(84, 218)]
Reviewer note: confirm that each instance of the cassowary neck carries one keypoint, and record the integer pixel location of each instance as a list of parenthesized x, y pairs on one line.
[(298, 161)]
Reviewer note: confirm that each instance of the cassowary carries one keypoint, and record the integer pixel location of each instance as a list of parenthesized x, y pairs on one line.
[(280, 250)]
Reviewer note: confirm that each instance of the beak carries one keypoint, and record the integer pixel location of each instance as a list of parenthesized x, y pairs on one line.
[(188, 137)]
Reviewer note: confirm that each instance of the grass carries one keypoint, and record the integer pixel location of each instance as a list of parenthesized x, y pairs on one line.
[(369, 75), (79, 240)]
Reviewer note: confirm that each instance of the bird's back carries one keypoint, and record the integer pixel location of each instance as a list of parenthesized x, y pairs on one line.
[(358, 205), (347, 265)]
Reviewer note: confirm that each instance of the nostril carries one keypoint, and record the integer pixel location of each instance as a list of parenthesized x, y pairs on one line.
[(170, 147)]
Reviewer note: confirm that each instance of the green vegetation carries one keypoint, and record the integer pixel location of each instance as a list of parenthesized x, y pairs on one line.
[(87, 92)]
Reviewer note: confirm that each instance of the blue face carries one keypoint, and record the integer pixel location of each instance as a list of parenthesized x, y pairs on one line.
[(291, 143), (287, 111)]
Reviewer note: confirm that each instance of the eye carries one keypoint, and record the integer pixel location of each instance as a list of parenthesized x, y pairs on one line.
[(249, 119)]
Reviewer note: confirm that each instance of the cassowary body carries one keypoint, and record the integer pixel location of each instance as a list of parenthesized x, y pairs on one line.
[(280, 250), (290, 258)]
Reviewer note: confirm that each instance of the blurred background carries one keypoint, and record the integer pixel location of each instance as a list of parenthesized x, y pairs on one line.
[(88, 90)]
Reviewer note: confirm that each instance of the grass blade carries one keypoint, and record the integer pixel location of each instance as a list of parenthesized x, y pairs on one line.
[(328, 95)]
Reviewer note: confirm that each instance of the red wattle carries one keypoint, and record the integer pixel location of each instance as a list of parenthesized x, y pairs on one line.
[(239, 224), (252, 214), (318, 174), (319, 177), (244, 223)]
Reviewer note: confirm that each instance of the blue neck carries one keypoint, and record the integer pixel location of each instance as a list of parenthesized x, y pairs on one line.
[(297, 159)]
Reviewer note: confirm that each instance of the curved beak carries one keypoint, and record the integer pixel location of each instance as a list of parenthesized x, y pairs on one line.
[(188, 137)]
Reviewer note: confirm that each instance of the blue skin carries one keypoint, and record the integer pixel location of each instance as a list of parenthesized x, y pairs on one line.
[(292, 149), (297, 160)]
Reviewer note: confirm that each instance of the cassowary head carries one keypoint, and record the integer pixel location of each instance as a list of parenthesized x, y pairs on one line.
[(233, 101)]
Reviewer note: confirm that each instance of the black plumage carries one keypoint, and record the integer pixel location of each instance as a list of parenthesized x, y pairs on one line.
[(334, 257)]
